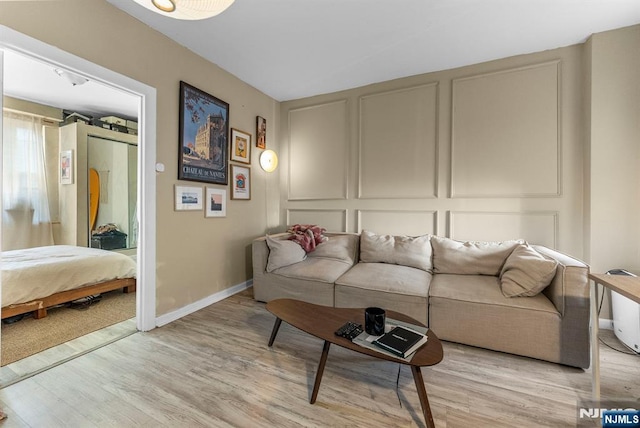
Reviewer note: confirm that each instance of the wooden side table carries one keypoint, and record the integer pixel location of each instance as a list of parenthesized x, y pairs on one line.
[(628, 286)]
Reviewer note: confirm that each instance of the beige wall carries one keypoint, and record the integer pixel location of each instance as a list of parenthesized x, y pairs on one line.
[(613, 235), (486, 152), (44, 111), (196, 256), (543, 147), (72, 213), (615, 149)]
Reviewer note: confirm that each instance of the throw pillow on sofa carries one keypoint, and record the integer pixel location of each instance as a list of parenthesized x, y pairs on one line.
[(399, 250), (283, 252), (526, 273), (470, 258)]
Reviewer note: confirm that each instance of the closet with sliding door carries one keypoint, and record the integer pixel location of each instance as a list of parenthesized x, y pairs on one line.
[(98, 204)]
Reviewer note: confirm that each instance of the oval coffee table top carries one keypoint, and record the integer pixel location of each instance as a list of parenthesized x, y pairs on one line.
[(323, 321)]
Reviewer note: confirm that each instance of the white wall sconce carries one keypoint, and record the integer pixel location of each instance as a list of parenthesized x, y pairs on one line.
[(269, 160)]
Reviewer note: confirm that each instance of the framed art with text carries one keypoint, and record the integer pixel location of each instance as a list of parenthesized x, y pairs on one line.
[(240, 146), (204, 137), (240, 182)]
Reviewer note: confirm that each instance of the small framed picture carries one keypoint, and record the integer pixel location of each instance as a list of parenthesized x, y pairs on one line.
[(240, 182), (261, 132), (216, 203), (66, 167), (240, 146), (188, 198)]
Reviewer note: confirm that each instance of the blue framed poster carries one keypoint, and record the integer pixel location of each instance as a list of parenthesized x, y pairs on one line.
[(204, 137)]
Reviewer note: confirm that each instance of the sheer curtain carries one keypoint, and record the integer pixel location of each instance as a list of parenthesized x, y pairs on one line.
[(26, 219)]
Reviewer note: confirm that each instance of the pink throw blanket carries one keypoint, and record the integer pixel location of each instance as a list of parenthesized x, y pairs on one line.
[(307, 235)]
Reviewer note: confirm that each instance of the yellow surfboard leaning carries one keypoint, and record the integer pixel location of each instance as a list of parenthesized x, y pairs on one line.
[(94, 197)]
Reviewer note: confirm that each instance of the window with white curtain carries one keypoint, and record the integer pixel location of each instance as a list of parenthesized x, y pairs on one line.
[(25, 211)]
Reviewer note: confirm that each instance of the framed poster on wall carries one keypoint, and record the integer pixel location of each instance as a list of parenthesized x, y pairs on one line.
[(204, 137)]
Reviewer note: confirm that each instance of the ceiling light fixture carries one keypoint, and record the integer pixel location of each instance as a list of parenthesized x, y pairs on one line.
[(70, 77), (187, 9), (269, 160), (164, 5)]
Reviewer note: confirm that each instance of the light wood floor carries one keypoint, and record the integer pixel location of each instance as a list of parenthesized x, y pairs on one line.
[(213, 369), (59, 354)]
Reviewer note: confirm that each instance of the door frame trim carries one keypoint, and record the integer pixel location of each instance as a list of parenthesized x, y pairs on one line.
[(146, 251)]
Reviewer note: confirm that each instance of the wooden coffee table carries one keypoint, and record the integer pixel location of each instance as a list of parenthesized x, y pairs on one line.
[(323, 321)]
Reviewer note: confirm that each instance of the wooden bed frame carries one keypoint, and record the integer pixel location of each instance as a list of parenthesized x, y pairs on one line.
[(39, 306)]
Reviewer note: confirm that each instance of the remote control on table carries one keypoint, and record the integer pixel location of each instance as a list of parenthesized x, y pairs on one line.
[(349, 331)]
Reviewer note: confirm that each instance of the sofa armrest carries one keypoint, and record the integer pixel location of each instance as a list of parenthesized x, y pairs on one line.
[(570, 293), (570, 286), (259, 256)]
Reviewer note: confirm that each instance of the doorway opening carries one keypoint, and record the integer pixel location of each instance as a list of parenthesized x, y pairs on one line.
[(145, 95)]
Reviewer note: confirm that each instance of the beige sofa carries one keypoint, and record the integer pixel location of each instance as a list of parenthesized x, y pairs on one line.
[(459, 289)]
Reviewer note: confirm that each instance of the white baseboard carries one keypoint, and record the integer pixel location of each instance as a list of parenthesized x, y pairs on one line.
[(203, 303), (604, 324)]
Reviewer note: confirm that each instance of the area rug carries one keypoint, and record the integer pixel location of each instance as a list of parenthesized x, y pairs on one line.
[(30, 336)]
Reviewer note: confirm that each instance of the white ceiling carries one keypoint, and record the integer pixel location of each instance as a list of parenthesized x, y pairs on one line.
[(32, 80), (291, 49)]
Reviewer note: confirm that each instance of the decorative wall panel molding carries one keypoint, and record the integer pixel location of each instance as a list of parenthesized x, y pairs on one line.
[(398, 222), (536, 227), (398, 149), (332, 220), (319, 151), (506, 131)]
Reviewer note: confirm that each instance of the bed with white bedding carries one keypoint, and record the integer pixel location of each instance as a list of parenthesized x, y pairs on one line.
[(35, 279)]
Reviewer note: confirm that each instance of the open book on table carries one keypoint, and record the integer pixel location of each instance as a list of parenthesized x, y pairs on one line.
[(367, 340)]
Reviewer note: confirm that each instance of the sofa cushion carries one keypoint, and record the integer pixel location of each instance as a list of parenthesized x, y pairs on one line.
[(470, 258), (526, 272), (392, 287), (283, 252), (484, 290), (471, 309), (315, 269), (387, 277), (338, 247), (400, 250)]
